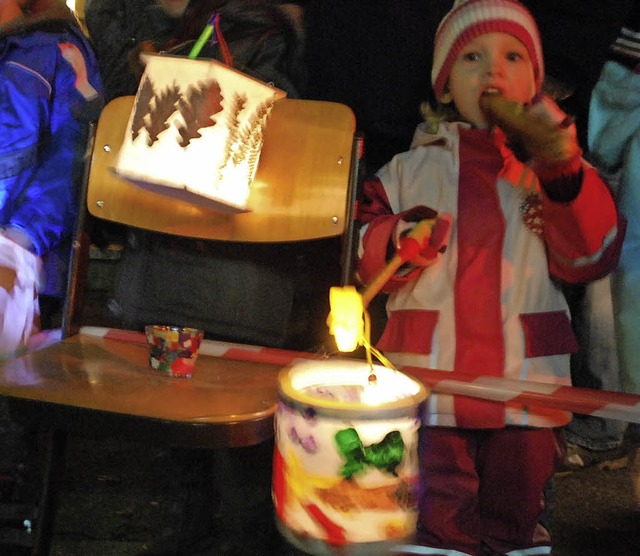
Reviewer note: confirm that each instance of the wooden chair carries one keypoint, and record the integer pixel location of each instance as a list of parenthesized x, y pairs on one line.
[(305, 188)]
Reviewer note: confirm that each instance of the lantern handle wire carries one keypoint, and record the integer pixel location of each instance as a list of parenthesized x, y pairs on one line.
[(371, 349), (410, 249)]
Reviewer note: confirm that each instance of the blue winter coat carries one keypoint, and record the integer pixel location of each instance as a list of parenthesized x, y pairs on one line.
[(614, 143), (43, 130)]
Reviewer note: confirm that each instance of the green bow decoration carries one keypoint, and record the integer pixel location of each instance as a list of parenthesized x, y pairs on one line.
[(385, 455)]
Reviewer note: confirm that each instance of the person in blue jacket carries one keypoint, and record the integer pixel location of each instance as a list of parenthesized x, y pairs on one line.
[(50, 89), (614, 144)]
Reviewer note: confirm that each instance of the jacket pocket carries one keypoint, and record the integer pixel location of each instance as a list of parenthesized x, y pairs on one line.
[(409, 331), (548, 333)]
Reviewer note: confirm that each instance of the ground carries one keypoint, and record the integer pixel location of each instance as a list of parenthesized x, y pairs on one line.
[(118, 499)]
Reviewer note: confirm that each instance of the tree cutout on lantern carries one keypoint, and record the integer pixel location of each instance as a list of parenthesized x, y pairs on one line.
[(141, 108), (197, 140), (250, 137), (244, 142), (164, 105), (202, 102)]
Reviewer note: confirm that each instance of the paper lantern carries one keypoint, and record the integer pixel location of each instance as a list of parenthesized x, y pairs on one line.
[(346, 467), (196, 131)]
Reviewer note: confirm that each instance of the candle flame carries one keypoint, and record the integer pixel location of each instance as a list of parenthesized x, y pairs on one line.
[(345, 319)]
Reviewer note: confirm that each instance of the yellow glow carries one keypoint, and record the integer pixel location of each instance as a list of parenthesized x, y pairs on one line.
[(234, 183), (344, 383), (345, 319)]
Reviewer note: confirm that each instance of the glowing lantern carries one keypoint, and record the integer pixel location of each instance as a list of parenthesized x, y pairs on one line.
[(345, 320), (196, 131), (346, 465)]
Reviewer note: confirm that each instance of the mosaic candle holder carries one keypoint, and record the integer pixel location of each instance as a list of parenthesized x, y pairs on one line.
[(173, 350)]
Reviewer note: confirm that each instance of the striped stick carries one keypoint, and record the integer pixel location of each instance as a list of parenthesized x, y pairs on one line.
[(586, 401)]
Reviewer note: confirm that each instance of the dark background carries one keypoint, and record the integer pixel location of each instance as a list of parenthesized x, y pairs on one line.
[(375, 56)]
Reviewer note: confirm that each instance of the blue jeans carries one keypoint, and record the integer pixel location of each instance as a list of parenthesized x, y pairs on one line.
[(596, 364)]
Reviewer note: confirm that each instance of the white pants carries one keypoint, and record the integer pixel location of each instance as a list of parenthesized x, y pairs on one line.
[(19, 309)]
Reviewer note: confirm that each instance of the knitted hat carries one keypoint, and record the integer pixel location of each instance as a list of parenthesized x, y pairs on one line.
[(626, 48), (469, 19)]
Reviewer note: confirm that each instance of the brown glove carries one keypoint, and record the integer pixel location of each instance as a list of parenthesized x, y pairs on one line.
[(135, 63), (544, 131)]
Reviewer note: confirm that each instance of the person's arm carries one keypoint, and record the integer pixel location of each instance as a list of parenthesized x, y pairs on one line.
[(581, 226), (265, 43), (46, 207), (117, 28), (385, 236), (584, 236), (614, 116), (272, 61), (377, 225)]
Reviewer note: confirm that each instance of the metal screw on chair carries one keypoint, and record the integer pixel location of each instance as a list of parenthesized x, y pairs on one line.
[(107, 148), (100, 204), (335, 219), (341, 161)]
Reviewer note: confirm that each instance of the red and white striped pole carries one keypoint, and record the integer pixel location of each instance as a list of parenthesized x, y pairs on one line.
[(586, 401)]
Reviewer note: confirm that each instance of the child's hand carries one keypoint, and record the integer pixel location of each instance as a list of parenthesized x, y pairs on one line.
[(547, 134), (422, 245), (136, 65)]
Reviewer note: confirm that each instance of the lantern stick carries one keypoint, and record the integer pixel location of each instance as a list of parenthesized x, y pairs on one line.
[(207, 32), (349, 307), (202, 39), (421, 232)]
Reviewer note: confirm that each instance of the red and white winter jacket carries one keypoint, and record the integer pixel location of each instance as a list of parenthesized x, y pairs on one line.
[(490, 305)]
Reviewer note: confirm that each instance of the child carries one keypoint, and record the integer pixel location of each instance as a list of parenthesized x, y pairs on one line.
[(49, 91), (490, 304)]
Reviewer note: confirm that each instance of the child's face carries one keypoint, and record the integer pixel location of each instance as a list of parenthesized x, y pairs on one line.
[(492, 62), (173, 8)]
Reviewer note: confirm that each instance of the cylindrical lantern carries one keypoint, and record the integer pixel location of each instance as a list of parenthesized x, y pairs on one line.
[(346, 465)]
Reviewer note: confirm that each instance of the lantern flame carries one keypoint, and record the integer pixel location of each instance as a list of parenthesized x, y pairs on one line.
[(345, 320)]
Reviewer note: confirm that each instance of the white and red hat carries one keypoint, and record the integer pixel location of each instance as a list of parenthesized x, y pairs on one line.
[(469, 19)]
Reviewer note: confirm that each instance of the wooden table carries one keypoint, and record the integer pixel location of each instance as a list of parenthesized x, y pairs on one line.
[(105, 387), (225, 404)]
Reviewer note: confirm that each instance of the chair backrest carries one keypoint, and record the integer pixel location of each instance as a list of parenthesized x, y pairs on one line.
[(300, 190), (305, 188)]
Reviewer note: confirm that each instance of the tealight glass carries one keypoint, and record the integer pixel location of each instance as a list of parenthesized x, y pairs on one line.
[(173, 350)]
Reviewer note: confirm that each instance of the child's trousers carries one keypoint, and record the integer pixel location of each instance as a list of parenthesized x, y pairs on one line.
[(482, 490)]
